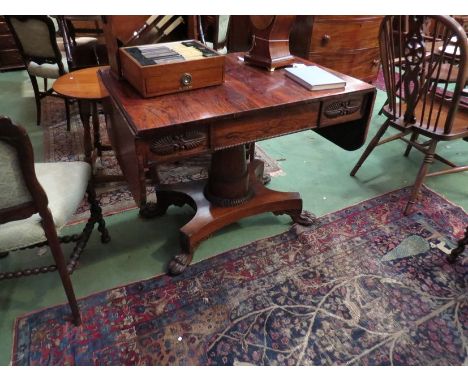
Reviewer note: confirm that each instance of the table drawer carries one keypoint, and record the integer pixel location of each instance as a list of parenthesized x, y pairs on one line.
[(264, 125), (352, 33)]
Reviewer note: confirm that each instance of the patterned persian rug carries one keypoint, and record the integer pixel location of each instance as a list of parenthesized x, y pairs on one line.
[(363, 286), (380, 81), (63, 145)]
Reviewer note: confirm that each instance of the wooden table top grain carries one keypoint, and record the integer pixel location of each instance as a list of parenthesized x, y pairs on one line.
[(246, 89), (81, 84)]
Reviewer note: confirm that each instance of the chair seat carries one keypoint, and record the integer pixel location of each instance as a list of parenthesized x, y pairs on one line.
[(65, 184), (446, 73), (84, 40), (459, 126), (46, 70)]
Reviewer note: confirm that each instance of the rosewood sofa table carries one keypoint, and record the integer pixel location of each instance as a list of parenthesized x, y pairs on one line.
[(251, 105)]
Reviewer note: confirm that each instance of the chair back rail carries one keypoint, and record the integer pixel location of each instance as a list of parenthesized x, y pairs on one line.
[(32, 199), (35, 37), (416, 61)]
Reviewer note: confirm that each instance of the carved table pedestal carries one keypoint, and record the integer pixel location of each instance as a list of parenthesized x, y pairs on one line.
[(234, 190)]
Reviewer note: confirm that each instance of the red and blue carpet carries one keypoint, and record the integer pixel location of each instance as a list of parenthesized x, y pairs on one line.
[(364, 286)]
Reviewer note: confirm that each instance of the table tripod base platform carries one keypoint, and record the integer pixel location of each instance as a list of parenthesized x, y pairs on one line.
[(209, 217)]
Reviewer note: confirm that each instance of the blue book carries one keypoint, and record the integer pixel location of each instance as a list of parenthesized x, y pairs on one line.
[(315, 78)]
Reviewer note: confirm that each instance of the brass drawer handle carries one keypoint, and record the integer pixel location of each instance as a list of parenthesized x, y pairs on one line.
[(186, 80), (325, 39)]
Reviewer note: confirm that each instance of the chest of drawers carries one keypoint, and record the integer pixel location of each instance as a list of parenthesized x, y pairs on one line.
[(347, 44), (10, 57)]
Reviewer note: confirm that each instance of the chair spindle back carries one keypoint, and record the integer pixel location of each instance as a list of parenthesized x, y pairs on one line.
[(418, 56)]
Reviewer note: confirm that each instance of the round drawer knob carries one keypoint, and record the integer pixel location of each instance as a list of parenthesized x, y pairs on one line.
[(186, 79), (325, 39)]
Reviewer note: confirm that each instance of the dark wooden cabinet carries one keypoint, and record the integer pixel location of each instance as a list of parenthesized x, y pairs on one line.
[(347, 44), (10, 57)]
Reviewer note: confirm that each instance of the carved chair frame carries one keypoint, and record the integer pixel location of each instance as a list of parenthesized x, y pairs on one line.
[(17, 137)]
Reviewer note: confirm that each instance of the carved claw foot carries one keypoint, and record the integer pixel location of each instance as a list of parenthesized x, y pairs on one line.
[(304, 218), (151, 210), (179, 263), (452, 257), (409, 208)]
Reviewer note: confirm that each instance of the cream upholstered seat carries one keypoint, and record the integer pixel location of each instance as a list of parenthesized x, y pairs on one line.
[(46, 70), (79, 41), (65, 185), (36, 201)]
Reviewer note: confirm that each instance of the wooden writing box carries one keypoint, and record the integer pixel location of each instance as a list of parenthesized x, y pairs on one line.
[(199, 67)]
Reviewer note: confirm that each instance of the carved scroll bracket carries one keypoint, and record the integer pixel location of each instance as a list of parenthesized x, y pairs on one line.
[(341, 108), (185, 141)]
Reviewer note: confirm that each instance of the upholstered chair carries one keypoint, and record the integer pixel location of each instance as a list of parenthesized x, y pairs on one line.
[(219, 35), (36, 202), (36, 40), (80, 51)]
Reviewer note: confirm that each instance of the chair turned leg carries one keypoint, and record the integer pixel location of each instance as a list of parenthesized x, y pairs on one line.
[(37, 96), (462, 243), (67, 112), (56, 249), (370, 147), (414, 137), (96, 214), (383, 106), (428, 159), (67, 285)]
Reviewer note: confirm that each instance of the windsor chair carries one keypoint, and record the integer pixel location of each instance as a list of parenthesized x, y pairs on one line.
[(418, 104)]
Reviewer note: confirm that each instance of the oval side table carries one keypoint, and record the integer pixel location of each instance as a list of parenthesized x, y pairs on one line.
[(84, 86)]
